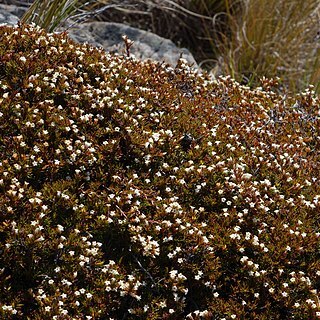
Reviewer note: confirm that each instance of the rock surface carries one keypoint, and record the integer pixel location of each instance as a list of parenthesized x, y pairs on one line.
[(108, 35), (9, 14), (146, 45)]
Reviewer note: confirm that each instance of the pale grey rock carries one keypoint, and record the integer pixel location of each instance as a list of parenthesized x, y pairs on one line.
[(8, 15), (17, 11), (146, 45)]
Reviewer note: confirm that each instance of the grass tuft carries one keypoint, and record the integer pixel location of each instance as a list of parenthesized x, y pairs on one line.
[(271, 39)]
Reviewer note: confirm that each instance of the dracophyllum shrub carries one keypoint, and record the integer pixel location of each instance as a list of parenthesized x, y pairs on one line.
[(136, 190)]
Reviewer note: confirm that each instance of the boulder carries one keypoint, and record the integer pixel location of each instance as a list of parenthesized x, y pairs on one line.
[(147, 45)]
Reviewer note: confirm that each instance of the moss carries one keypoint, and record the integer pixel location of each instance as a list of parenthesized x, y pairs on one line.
[(107, 211)]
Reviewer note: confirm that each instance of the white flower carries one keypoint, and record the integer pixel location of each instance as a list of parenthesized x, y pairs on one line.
[(247, 176)]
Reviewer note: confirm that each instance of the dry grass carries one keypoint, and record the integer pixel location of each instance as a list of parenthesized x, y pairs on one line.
[(273, 39)]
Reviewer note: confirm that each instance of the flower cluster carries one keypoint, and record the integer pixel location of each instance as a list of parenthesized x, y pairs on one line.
[(138, 190)]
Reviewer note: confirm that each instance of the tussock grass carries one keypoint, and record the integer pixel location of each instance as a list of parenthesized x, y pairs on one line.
[(51, 14), (272, 39)]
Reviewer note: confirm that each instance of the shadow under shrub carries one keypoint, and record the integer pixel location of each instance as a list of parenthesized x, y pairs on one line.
[(109, 211)]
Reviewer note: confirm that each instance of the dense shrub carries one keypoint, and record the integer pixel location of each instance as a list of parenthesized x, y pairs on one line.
[(136, 190)]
